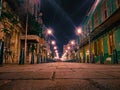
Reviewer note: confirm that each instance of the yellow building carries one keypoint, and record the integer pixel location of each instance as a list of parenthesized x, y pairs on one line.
[(10, 31)]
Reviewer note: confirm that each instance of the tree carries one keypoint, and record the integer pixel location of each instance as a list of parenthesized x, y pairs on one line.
[(34, 27)]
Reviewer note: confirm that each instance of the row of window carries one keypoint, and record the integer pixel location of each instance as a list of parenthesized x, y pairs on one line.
[(104, 13), (99, 47)]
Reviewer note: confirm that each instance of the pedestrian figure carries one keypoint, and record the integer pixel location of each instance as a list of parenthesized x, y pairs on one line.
[(87, 58), (1, 51), (32, 51), (44, 56), (115, 58), (32, 58), (21, 61)]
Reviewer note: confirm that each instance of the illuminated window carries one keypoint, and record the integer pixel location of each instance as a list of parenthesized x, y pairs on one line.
[(100, 46), (96, 19), (104, 11), (95, 48), (111, 43), (118, 3)]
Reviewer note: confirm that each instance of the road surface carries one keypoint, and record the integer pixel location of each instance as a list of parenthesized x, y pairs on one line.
[(60, 76)]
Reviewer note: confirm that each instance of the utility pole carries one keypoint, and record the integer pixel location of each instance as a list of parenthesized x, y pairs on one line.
[(89, 44), (26, 30)]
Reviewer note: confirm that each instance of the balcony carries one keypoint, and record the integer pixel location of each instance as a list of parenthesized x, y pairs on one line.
[(31, 38)]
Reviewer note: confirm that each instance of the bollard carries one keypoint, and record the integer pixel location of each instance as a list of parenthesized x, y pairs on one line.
[(32, 51), (92, 58), (101, 58), (115, 58), (1, 51), (87, 58), (32, 58), (83, 59), (38, 58), (21, 61)]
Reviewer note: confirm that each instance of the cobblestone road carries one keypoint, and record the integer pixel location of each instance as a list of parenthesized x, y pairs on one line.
[(60, 76)]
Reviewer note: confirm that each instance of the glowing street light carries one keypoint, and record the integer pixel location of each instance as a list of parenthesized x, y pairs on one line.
[(68, 47), (66, 51), (56, 51), (79, 31), (53, 42), (55, 47), (72, 42), (49, 31)]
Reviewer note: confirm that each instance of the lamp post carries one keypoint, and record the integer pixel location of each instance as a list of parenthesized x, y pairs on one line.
[(79, 33), (72, 42), (49, 33), (53, 43), (55, 47), (89, 45), (26, 30)]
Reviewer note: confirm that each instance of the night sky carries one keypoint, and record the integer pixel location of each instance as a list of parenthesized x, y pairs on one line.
[(63, 16)]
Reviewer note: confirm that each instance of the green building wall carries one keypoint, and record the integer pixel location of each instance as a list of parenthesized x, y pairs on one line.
[(112, 7), (117, 41), (105, 45)]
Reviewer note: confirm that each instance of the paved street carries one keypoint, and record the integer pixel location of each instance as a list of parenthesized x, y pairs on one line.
[(60, 76)]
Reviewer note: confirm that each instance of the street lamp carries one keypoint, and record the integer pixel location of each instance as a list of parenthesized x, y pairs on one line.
[(66, 51), (89, 45), (72, 42), (49, 31), (55, 47), (53, 42), (56, 51), (79, 32), (68, 47), (26, 31)]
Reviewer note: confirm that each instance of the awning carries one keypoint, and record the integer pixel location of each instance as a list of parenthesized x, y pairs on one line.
[(31, 38)]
